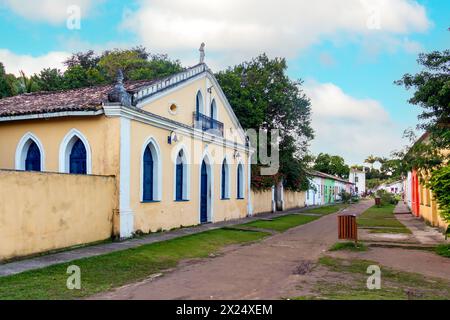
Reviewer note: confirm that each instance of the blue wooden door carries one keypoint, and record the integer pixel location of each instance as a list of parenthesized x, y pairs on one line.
[(33, 160), (148, 175), (204, 194), (78, 158)]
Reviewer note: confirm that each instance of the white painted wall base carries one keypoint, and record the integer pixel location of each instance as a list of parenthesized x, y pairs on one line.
[(126, 224)]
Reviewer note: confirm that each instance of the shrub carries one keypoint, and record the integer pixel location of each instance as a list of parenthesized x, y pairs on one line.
[(440, 185), (386, 197), (345, 196)]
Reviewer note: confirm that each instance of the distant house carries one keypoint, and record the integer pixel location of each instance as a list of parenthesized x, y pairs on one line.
[(358, 177), (396, 187), (326, 188)]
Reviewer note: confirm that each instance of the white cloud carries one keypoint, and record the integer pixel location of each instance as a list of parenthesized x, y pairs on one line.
[(350, 127), (51, 11), (236, 29), (32, 64)]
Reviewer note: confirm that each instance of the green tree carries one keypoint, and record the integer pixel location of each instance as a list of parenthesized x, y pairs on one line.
[(264, 97), (371, 160), (6, 89), (432, 94), (334, 165), (50, 80), (27, 84)]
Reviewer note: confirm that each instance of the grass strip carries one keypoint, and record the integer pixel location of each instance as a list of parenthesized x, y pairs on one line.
[(104, 272)]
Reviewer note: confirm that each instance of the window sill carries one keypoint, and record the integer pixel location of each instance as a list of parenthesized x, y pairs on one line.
[(225, 199), (150, 201), (181, 200), (240, 198)]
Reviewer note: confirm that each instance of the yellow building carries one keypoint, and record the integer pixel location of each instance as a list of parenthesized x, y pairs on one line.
[(420, 198), (175, 147)]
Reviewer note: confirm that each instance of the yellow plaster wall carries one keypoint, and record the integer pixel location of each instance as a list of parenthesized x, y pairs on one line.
[(428, 208), (168, 214), (262, 201), (102, 134), (46, 211), (294, 199)]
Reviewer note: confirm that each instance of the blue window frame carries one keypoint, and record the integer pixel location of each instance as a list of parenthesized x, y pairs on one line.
[(224, 181), (148, 175), (33, 159), (78, 158), (179, 177), (240, 178)]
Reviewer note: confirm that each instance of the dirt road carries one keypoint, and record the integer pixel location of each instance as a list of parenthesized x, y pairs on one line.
[(262, 270)]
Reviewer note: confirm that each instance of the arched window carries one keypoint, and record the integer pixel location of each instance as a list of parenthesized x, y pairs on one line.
[(78, 158), (148, 175), (75, 154), (240, 181), (181, 177), (213, 111), (151, 172), (225, 180), (30, 154), (199, 103), (33, 159)]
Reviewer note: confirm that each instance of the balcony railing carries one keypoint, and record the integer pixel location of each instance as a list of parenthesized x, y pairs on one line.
[(209, 124), (168, 82)]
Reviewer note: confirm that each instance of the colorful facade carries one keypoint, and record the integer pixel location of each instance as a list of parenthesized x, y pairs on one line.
[(420, 198), (326, 189)]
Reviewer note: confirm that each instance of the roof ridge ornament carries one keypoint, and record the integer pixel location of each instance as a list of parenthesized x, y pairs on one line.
[(119, 93), (202, 52)]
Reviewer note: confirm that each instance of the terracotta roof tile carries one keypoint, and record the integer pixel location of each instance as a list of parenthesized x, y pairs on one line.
[(83, 99)]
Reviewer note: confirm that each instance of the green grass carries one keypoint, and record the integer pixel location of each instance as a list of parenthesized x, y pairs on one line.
[(348, 246), (443, 250), (326, 209), (283, 223), (382, 217), (395, 285), (115, 269)]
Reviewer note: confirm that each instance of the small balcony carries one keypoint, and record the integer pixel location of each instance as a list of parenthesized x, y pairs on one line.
[(209, 124)]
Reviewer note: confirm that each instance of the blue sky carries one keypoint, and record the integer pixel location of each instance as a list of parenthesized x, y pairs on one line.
[(348, 67)]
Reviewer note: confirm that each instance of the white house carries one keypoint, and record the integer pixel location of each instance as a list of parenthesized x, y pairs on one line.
[(396, 187), (358, 177)]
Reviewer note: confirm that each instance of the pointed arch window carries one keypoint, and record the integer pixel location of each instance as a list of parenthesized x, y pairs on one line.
[(225, 181), (181, 177), (75, 154), (213, 110), (33, 158), (148, 194), (30, 155), (199, 102), (151, 184), (78, 158), (240, 181)]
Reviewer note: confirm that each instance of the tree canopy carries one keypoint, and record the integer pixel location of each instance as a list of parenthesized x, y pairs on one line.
[(334, 165), (86, 69), (432, 93), (264, 97)]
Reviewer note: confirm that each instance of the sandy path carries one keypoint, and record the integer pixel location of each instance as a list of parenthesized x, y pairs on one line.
[(263, 270)]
